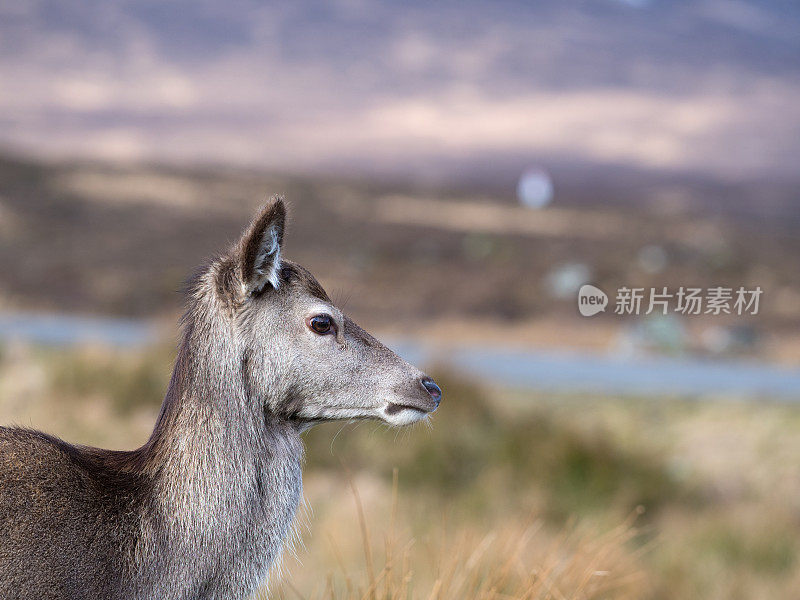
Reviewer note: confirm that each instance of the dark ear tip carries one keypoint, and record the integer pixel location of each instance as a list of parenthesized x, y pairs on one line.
[(275, 210), (278, 204)]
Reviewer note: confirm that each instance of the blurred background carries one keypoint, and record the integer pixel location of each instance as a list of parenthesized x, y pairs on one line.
[(456, 171)]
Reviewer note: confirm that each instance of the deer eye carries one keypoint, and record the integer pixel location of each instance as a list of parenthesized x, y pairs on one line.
[(321, 324)]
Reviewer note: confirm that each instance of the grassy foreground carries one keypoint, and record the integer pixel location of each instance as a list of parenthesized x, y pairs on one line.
[(453, 559), (506, 495)]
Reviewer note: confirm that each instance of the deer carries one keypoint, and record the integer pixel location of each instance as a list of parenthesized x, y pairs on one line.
[(203, 509)]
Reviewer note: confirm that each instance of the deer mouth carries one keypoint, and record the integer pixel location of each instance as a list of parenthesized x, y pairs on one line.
[(399, 414), (393, 408)]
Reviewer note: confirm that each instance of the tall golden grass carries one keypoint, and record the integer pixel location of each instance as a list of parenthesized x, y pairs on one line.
[(513, 561)]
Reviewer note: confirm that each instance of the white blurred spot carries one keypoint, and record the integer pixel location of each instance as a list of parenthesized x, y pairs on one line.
[(652, 259), (565, 280), (535, 189)]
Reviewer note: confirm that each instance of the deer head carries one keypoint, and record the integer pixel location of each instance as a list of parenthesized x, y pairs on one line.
[(301, 357)]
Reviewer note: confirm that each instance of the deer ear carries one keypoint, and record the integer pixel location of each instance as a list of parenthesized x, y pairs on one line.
[(260, 247)]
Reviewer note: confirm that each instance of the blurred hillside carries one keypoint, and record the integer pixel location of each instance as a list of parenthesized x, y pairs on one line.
[(120, 240)]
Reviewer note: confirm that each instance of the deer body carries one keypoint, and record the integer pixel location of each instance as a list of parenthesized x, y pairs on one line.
[(204, 508)]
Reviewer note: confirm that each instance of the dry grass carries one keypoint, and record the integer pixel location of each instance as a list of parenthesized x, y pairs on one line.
[(514, 560)]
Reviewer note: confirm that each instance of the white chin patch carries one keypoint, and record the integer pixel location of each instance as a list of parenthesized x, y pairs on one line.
[(403, 416)]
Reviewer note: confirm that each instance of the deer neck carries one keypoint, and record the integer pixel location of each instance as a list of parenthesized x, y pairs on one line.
[(227, 473)]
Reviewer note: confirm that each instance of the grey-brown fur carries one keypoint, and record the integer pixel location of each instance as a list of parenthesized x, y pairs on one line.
[(202, 510)]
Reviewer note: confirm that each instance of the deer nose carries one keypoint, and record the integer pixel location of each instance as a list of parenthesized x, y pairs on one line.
[(434, 390)]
